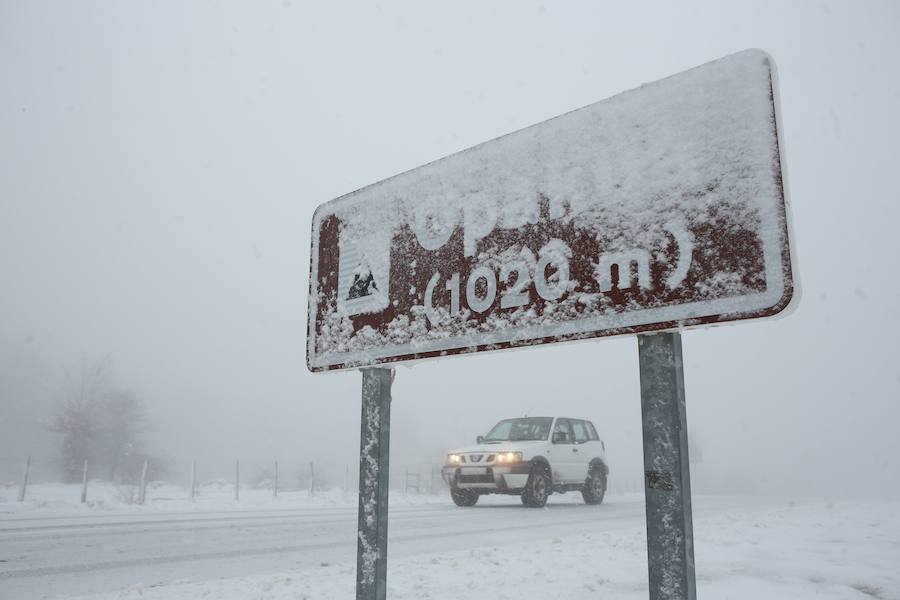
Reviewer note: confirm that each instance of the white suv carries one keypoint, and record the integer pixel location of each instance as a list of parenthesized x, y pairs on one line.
[(530, 457)]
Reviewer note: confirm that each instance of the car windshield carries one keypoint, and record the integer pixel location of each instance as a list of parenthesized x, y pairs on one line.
[(515, 430)]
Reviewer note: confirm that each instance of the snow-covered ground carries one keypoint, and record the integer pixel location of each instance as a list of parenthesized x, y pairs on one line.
[(103, 497), (304, 547)]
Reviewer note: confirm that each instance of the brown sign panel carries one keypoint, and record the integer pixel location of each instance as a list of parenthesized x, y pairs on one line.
[(659, 208)]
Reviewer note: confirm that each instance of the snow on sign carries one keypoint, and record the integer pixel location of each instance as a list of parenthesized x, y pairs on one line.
[(659, 208)]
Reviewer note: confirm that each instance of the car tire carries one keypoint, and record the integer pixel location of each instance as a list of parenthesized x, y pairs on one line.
[(537, 488), (594, 487), (464, 497)]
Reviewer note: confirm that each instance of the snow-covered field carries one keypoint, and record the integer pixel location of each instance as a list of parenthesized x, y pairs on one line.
[(49, 498), (299, 546)]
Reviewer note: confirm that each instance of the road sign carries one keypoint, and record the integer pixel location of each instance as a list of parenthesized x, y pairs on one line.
[(659, 208)]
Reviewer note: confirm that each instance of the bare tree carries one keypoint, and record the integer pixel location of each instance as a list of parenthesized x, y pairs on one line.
[(77, 420), (103, 424)]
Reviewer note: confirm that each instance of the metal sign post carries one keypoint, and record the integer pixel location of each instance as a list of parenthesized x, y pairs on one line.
[(374, 462), (667, 482), (660, 209)]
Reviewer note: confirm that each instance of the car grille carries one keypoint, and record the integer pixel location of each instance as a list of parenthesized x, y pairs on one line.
[(485, 478), (478, 458)]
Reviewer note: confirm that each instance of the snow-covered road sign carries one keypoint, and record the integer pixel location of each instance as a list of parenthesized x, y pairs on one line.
[(659, 208)]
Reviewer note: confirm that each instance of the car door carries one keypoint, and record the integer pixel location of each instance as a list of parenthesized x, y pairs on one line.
[(598, 448), (562, 449), (585, 449)]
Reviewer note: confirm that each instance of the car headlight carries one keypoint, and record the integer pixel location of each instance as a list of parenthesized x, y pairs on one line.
[(454, 459), (509, 457)]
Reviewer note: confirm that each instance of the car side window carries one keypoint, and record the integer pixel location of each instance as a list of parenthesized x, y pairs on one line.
[(562, 432), (592, 432), (580, 431)]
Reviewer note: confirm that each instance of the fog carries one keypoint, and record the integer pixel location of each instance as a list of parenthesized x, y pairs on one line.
[(160, 164)]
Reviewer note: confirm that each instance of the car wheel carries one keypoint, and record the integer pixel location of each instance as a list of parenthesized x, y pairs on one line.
[(537, 489), (464, 497), (594, 488)]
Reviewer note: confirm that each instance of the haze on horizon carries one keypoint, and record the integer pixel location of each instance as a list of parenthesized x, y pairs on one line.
[(160, 164)]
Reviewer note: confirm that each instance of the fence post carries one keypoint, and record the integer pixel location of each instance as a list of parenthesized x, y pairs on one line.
[(312, 478), (25, 479), (84, 483), (346, 481), (275, 483), (237, 479), (193, 478), (142, 496)]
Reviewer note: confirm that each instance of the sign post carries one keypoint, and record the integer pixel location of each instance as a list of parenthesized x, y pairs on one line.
[(374, 478), (667, 483), (654, 211)]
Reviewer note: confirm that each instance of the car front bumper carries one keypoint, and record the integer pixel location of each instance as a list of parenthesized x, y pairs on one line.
[(508, 478)]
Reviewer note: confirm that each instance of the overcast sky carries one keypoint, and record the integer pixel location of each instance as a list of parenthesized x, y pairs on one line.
[(160, 163)]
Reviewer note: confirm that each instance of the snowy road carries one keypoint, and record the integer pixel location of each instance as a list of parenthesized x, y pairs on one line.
[(45, 557), (747, 547)]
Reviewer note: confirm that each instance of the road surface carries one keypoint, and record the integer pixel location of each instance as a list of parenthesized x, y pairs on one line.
[(60, 556)]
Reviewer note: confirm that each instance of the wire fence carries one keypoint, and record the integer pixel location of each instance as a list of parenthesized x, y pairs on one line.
[(237, 481), (39, 480)]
